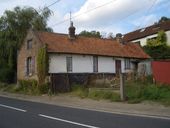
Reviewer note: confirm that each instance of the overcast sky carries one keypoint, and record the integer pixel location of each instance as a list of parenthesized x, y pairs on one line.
[(116, 16)]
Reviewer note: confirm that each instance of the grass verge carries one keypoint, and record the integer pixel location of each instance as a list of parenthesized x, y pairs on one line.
[(137, 92), (94, 93)]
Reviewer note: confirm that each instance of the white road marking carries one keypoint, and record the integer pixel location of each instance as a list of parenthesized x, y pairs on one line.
[(67, 121), (18, 109)]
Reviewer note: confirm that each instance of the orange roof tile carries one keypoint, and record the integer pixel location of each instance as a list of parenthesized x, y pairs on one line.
[(60, 43)]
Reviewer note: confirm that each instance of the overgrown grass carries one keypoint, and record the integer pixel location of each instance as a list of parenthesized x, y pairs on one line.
[(94, 93), (29, 87), (136, 92), (7, 87), (140, 91)]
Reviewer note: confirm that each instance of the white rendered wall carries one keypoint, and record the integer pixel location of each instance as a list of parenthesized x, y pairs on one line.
[(168, 37), (81, 63), (57, 63), (106, 64), (144, 40)]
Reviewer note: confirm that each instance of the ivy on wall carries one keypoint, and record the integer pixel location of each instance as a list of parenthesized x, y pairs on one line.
[(42, 65)]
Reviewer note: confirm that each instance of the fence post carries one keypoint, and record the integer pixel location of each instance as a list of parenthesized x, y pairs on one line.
[(122, 88)]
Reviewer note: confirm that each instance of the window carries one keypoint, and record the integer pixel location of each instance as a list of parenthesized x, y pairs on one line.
[(127, 63), (29, 44), (95, 64), (69, 64), (29, 66), (153, 38), (137, 42)]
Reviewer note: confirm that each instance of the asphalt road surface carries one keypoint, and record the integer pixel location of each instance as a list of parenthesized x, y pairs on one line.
[(23, 114)]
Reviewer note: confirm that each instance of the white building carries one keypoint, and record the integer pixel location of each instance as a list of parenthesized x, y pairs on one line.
[(72, 55), (142, 35)]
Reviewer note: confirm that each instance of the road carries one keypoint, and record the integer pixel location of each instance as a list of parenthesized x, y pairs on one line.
[(23, 114)]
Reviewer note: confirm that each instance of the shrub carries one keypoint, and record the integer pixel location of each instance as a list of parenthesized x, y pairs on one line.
[(6, 75), (44, 88), (28, 87), (151, 92), (139, 91)]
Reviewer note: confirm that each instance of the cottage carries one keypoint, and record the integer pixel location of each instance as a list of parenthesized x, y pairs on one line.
[(142, 35), (72, 55)]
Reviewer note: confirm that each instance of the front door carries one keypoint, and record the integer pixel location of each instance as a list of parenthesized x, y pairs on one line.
[(118, 66)]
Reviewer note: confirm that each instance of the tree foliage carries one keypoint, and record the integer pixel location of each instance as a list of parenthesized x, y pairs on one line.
[(157, 48), (95, 34), (13, 29), (163, 19), (159, 41)]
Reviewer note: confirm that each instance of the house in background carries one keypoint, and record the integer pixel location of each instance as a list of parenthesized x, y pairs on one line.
[(76, 56), (142, 35)]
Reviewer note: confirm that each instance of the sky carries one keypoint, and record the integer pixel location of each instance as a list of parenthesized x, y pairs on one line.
[(105, 16)]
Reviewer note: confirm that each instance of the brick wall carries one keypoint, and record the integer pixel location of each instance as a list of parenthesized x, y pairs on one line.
[(24, 53)]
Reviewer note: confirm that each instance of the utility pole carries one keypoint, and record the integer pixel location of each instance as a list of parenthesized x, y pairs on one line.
[(122, 87)]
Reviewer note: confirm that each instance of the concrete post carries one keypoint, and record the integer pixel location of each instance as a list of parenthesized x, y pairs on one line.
[(122, 89)]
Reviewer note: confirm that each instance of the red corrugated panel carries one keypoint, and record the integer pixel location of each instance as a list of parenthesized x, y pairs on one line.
[(161, 71)]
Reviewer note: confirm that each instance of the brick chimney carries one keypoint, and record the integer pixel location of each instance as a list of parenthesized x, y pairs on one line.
[(119, 38), (71, 30)]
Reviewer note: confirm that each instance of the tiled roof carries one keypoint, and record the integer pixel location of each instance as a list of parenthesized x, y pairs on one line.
[(60, 43), (141, 33)]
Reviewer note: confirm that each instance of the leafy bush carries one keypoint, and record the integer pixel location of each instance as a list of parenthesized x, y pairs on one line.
[(6, 75), (32, 87), (138, 91), (28, 87), (151, 92), (44, 88)]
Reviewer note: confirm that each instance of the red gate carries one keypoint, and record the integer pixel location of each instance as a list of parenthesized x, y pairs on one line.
[(161, 71)]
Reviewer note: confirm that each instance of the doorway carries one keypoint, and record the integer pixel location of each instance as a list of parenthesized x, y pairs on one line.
[(118, 66)]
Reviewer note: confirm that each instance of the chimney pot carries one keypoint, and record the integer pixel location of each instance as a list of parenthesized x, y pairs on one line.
[(71, 31), (119, 38)]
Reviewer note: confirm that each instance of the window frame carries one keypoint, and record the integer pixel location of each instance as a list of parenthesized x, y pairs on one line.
[(29, 44), (29, 67), (69, 64), (95, 64), (127, 63)]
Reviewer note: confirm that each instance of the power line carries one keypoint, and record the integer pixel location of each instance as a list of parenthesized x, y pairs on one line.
[(135, 13), (149, 9), (53, 3), (48, 6), (83, 13)]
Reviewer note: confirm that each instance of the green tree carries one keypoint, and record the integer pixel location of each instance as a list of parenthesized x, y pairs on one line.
[(159, 41), (163, 19), (13, 29), (157, 48), (90, 34)]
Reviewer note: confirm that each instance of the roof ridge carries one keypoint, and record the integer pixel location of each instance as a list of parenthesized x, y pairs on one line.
[(166, 22), (79, 36)]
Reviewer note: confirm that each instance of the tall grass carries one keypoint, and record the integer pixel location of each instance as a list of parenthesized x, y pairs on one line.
[(94, 93), (138, 91)]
